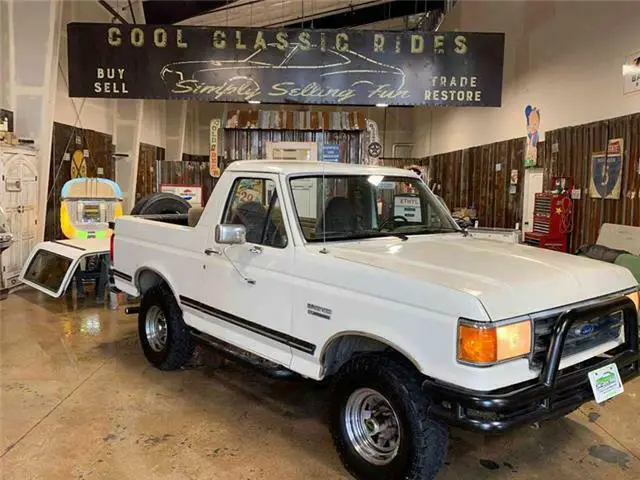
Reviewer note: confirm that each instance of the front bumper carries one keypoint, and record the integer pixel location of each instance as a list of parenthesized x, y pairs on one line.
[(553, 394)]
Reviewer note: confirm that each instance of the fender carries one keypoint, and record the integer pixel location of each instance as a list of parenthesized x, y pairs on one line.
[(357, 333), (162, 273)]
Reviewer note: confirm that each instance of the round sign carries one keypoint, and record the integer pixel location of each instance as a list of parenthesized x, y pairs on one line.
[(375, 149)]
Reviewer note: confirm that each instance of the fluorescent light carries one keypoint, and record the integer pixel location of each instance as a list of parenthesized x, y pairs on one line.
[(254, 102), (382, 105)]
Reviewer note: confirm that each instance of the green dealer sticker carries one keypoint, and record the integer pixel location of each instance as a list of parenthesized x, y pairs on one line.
[(605, 382)]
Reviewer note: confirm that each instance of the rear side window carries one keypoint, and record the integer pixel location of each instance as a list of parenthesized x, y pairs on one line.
[(48, 269), (254, 203)]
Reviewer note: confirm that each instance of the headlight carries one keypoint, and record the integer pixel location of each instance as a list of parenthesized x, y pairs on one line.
[(485, 344), (634, 297)]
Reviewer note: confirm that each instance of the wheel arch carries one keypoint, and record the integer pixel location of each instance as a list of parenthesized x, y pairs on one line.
[(340, 347), (148, 276)]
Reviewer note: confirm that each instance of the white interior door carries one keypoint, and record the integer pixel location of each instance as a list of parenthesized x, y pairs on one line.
[(300, 151), (21, 204), (532, 185), (304, 192)]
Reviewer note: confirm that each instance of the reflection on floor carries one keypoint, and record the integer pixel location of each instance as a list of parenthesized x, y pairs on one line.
[(79, 401)]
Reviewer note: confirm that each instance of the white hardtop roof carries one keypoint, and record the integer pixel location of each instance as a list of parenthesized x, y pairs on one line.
[(287, 167), (86, 246)]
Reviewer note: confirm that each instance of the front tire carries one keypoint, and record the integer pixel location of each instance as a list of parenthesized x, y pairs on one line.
[(379, 422), (164, 336)]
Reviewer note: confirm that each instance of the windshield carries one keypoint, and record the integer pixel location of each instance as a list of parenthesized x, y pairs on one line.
[(344, 207)]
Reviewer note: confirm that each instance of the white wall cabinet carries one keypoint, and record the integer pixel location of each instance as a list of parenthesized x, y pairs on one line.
[(19, 200)]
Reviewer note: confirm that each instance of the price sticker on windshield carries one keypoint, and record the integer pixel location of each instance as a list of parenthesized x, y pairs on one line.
[(407, 206), (605, 382)]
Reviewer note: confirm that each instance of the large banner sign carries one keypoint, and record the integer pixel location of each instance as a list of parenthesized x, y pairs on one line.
[(345, 67)]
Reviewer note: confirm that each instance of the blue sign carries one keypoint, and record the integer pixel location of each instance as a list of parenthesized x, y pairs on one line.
[(606, 176), (330, 152)]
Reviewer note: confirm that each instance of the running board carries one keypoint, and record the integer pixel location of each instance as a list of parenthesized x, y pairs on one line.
[(266, 367)]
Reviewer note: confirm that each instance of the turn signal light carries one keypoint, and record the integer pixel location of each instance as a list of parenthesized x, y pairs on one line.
[(486, 344), (633, 296)]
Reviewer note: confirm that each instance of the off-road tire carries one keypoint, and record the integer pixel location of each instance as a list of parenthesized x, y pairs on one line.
[(423, 442), (179, 347), (160, 203)]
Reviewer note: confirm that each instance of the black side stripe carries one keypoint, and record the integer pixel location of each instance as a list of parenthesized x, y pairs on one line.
[(122, 275), (293, 342), (68, 245)]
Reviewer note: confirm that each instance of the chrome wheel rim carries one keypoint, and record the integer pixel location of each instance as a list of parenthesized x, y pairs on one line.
[(155, 327), (372, 426)]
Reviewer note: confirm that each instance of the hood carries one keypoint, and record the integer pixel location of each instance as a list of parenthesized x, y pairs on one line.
[(508, 279)]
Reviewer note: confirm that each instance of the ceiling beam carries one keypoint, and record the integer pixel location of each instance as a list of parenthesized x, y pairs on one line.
[(365, 15), (112, 11)]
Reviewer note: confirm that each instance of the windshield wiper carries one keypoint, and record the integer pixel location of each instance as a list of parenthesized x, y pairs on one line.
[(434, 230), (401, 236)]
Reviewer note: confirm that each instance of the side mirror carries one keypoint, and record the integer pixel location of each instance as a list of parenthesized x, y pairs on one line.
[(231, 234)]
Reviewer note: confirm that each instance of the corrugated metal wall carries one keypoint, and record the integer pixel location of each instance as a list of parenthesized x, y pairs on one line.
[(245, 144), (187, 173), (471, 177)]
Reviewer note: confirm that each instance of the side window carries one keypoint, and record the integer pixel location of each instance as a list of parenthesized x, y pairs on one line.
[(254, 203)]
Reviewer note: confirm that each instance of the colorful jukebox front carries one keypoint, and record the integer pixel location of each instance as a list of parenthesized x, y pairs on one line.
[(88, 205)]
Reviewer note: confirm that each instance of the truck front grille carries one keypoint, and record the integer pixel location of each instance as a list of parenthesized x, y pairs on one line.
[(583, 334)]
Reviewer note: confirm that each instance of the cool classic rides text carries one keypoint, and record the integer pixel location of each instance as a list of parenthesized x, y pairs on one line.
[(305, 40)]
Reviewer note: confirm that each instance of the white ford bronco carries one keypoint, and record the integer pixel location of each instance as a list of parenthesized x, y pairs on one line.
[(359, 275)]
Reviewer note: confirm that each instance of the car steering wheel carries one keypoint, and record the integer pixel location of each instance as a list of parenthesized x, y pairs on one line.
[(392, 219)]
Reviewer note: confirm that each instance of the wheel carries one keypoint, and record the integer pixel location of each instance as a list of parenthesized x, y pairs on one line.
[(164, 336), (159, 203), (379, 423)]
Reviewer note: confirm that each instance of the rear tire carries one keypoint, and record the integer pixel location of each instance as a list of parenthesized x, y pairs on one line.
[(164, 336), (386, 392)]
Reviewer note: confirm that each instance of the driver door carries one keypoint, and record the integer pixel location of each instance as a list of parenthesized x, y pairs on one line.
[(252, 283)]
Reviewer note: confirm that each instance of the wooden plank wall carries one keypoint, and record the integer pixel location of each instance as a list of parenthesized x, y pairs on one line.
[(479, 178), (147, 174), (573, 158), (67, 139), (469, 178)]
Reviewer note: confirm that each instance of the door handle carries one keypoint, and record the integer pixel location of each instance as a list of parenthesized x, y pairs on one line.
[(212, 251), (256, 250)]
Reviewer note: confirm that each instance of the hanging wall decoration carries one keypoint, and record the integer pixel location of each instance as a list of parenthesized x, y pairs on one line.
[(373, 147), (79, 163), (606, 171), (631, 74), (532, 115), (214, 126)]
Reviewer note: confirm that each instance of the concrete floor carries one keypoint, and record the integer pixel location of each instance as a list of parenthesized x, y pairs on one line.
[(79, 401)]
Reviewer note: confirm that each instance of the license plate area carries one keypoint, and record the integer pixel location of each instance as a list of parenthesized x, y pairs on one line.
[(605, 382)]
